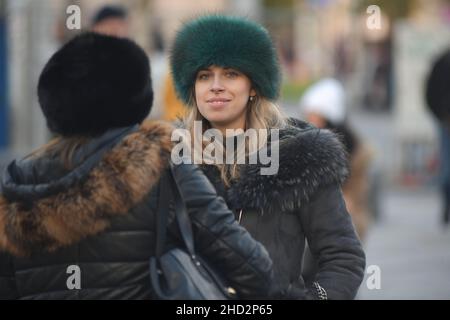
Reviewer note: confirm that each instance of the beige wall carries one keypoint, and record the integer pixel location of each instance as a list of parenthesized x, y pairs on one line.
[(171, 13)]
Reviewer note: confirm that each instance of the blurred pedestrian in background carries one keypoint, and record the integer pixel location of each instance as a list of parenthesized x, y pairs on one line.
[(173, 108), (226, 69), (324, 105), (111, 20), (88, 200), (438, 100)]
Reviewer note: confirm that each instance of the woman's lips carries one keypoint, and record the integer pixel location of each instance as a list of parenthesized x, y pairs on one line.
[(217, 103)]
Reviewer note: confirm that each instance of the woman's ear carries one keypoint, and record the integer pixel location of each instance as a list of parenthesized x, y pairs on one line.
[(252, 92)]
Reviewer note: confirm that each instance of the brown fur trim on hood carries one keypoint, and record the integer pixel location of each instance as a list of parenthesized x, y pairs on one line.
[(116, 184)]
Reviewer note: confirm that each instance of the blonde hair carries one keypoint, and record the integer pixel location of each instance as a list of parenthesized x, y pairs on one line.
[(61, 147), (262, 114)]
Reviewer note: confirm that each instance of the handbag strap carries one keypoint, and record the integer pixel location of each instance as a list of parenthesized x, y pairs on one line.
[(184, 222), (162, 215), (170, 187)]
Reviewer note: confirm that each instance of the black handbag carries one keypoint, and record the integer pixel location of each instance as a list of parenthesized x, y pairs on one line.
[(181, 274)]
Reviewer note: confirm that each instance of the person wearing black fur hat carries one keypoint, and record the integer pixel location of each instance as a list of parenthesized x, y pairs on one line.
[(77, 217), (226, 69)]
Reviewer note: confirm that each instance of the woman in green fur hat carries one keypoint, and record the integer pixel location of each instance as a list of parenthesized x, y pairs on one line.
[(226, 69)]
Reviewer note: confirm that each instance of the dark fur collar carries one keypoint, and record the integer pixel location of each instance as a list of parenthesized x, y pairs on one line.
[(310, 158), (117, 183)]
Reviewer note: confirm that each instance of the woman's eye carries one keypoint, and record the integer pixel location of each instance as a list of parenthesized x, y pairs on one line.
[(232, 74), (203, 76)]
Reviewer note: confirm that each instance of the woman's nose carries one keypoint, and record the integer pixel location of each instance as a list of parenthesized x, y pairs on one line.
[(217, 85)]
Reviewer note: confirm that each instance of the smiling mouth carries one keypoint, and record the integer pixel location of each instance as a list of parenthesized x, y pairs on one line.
[(218, 102)]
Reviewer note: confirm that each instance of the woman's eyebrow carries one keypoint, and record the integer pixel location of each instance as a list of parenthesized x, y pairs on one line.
[(230, 68)]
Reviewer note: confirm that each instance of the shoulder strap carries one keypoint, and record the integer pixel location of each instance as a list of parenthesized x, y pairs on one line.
[(184, 222), (162, 214), (169, 190)]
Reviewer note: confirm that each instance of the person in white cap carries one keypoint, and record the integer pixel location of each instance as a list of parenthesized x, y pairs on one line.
[(324, 102), (324, 106)]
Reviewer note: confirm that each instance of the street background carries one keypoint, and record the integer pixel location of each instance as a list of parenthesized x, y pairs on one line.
[(381, 55), (406, 240)]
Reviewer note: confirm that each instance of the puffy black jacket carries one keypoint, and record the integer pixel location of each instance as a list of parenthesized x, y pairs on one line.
[(302, 201), (100, 218)]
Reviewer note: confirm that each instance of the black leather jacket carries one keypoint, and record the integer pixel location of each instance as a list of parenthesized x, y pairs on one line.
[(100, 217), (302, 201)]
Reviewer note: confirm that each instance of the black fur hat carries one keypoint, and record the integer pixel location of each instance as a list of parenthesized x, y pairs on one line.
[(95, 83)]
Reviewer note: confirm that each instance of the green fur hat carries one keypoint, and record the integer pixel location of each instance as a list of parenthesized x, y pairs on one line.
[(225, 41)]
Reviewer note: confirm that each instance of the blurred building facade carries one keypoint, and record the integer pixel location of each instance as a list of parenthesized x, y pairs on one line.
[(37, 28), (383, 70)]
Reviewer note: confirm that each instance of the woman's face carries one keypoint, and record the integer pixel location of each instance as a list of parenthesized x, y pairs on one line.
[(222, 95), (316, 119)]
